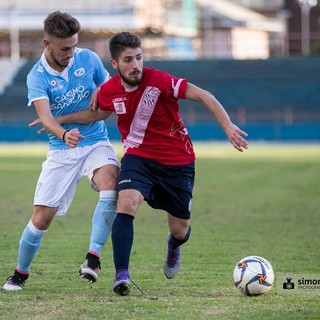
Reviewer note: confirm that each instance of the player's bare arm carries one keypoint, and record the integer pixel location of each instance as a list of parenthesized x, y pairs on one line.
[(81, 117), (233, 133), (51, 125), (84, 116)]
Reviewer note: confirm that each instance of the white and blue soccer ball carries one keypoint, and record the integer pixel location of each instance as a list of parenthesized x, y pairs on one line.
[(253, 276)]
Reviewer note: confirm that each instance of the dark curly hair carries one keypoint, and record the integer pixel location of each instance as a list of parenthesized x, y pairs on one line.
[(119, 42)]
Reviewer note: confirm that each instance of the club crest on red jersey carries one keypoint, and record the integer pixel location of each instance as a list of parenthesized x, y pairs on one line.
[(119, 107)]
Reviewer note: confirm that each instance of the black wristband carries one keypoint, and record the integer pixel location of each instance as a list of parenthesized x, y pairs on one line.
[(64, 134)]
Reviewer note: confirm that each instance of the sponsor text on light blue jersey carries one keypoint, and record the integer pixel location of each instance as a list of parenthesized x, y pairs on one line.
[(70, 91)]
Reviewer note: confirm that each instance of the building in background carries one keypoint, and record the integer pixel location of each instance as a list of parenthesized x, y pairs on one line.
[(171, 29), (303, 21), (231, 30)]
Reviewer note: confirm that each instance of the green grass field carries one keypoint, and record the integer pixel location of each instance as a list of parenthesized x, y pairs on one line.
[(263, 202)]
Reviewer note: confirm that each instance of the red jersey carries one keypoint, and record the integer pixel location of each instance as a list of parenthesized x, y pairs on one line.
[(148, 117)]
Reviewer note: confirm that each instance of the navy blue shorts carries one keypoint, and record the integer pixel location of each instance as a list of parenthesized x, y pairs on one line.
[(164, 187)]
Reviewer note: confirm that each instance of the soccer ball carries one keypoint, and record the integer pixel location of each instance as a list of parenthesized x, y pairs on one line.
[(253, 276)]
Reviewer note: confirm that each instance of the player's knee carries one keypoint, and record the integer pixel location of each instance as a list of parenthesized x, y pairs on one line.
[(105, 178), (182, 232), (42, 217), (127, 205), (41, 223)]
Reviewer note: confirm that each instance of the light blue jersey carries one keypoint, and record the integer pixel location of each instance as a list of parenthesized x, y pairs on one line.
[(70, 91)]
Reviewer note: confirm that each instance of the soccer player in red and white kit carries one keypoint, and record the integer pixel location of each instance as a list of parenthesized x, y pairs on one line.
[(158, 161)]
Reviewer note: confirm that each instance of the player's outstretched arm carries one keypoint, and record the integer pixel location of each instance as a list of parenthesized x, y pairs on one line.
[(233, 132), (70, 137), (84, 116), (81, 117)]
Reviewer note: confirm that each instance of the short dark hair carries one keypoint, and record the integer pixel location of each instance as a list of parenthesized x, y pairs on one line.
[(121, 41), (61, 25)]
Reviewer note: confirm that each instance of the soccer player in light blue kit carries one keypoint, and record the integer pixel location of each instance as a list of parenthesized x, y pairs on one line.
[(64, 80)]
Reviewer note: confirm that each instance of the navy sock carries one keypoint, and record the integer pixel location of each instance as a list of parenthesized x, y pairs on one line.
[(122, 239), (174, 242)]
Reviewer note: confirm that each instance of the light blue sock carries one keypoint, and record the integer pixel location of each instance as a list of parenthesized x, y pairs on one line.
[(29, 245), (102, 221)]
